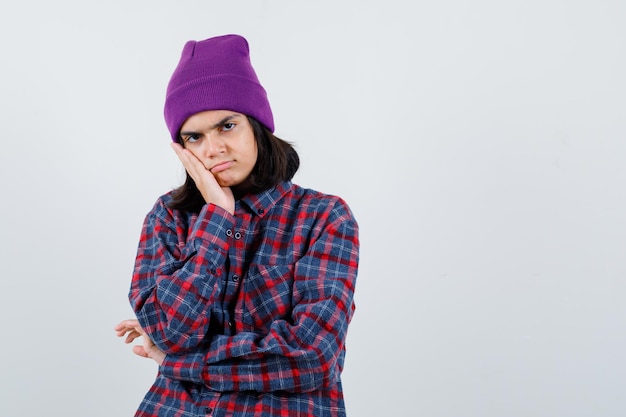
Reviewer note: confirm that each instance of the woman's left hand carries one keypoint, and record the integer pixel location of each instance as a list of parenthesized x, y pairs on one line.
[(132, 330)]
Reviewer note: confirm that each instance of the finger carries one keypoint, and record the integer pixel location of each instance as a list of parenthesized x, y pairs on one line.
[(122, 332), (126, 324), (132, 336), (119, 327), (187, 158), (192, 164), (126, 331), (140, 331), (140, 351)]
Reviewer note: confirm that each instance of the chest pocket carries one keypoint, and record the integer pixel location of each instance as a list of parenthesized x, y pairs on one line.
[(267, 295)]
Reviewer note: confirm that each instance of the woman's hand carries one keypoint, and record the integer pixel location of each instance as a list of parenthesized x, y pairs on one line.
[(205, 181), (132, 330)]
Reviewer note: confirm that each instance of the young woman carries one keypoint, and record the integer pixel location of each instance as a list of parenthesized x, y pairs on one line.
[(243, 282)]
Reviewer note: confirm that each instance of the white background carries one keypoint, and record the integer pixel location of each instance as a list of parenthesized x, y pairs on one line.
[(481, 145)]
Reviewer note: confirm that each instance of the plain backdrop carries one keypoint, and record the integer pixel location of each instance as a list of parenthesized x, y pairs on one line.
[(480, 144)]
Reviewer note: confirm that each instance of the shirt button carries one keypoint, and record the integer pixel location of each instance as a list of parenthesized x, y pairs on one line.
[(230, 323), (208, 410), (213, 271), (235, 278), (237, 235), (261, 211), (229, 232)]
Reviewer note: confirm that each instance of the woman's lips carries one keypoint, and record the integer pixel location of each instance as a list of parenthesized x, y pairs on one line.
[(221, 166)]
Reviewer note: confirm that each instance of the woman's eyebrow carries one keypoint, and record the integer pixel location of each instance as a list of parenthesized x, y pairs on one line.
[(224, 120)]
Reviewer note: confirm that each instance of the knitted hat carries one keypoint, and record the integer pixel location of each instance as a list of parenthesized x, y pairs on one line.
[(215, 74)]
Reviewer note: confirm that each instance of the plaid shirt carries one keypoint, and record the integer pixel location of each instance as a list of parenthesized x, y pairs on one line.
[(251, 310)]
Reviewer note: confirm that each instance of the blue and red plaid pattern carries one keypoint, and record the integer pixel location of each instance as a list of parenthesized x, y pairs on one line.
[(252, 310)]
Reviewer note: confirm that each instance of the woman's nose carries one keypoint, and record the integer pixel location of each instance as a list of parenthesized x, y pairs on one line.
[(212, 146)]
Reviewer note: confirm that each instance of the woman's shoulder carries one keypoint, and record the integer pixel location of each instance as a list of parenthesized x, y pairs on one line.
[(162, 209), (162, 202)]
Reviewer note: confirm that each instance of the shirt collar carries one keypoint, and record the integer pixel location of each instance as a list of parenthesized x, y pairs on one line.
[(261, 203)]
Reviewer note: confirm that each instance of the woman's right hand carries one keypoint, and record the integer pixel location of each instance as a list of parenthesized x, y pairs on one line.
[(205, 181)]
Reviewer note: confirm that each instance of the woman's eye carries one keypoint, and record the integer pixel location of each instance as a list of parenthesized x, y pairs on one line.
[(191, 138), (227, 126)]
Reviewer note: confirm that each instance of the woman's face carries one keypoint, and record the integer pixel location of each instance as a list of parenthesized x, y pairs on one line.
[(224, 142)]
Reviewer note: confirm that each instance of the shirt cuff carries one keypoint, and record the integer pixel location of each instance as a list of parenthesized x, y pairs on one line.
[(187, 367)]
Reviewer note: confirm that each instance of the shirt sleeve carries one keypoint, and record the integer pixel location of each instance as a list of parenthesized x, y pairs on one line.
[(302, 354), (176, 277)]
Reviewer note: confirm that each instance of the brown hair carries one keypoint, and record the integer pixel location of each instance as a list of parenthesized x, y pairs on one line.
[(277, 161)]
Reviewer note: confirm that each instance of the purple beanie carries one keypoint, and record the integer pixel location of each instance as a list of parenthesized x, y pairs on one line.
[(215, 74)]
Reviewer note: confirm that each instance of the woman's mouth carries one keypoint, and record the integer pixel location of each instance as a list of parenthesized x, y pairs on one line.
[(221, 166)]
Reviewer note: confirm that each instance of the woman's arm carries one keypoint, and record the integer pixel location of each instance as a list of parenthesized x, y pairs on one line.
[(302, 353), (176, 278)]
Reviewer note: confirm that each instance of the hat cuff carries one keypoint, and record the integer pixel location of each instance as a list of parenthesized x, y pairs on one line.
[(217, 92)]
